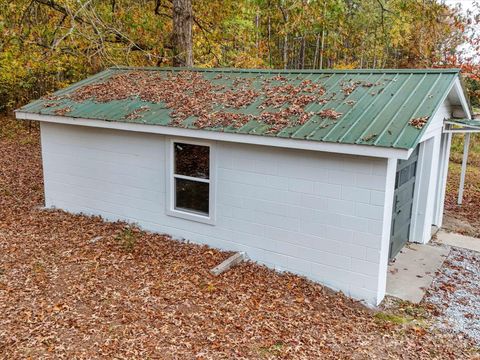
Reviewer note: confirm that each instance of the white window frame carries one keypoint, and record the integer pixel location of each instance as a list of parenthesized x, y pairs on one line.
[(170, 188)]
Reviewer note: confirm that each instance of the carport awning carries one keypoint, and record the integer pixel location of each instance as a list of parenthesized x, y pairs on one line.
[(462, 125), (466, 126)]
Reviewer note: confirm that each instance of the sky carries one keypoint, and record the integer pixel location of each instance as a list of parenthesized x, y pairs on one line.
[(466, 4)]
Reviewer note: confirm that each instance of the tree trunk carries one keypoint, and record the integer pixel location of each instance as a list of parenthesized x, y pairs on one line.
[(322, 49), (317, 50), (285, 38), (363, 54), (257, 39), (269, 41), (302, 52), (182, 33)]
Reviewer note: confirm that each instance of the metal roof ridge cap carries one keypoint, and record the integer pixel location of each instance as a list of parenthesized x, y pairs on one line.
[(294, 71)]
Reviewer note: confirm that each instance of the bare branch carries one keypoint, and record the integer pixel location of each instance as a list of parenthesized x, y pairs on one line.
[(53, 5)]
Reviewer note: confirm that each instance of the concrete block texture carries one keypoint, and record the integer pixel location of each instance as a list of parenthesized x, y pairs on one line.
[(315, 214)]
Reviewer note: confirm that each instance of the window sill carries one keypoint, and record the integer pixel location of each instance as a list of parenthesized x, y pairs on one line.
[(191, 216)]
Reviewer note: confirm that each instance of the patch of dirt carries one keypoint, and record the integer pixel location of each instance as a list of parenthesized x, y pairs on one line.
[(455, 292), (459, 225), (463, 219), (73, 286)]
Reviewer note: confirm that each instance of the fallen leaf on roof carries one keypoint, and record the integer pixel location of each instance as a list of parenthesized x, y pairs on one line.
[(189, 94), (350, 86), (369, 137), (62, 111), (196, 99), (280, 78), (222, 119), (330, 114), (137, 113), (418, 122)]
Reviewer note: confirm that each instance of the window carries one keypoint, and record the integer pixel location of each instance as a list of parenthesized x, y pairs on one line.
[(191, 189)]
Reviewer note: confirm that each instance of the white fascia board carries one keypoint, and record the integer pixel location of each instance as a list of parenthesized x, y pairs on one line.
[(352, 149)]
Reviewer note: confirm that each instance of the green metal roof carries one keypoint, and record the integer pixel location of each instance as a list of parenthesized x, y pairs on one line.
[(386, 108)]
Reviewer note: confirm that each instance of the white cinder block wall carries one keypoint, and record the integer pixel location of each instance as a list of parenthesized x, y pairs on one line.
[(314, 214)]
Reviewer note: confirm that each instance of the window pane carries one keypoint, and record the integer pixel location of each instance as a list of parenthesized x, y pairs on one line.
[(191, 196), (413, 169), (192, 160), (404, 175)]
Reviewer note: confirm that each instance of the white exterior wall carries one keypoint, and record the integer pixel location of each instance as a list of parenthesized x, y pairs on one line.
[(432, 172), (325, 216), (436, 126), (425, 190)]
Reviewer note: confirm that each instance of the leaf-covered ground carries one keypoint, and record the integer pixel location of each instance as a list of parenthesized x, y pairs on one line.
[(76, 287), (466, 218)]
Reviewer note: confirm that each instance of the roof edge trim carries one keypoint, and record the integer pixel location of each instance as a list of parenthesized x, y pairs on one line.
[(351, 149)]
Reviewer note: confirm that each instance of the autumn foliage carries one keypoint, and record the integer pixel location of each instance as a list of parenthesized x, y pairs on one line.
[(73, 286), (45, 45)]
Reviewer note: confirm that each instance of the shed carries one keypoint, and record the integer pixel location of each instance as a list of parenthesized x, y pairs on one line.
[(326, 174)]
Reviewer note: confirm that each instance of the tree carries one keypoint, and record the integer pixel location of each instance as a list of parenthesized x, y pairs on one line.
[(182, 33), (47, 44)]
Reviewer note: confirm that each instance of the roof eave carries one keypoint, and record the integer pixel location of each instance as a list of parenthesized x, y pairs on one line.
[(340, 148)]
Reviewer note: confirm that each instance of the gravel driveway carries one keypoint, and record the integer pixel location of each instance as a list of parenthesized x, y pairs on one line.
[(456, 293)]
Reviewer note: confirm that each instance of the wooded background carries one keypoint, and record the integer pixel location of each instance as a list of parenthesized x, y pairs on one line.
[(47, 44)]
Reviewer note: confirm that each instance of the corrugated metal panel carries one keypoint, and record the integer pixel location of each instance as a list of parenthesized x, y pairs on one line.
[(378, 110)]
